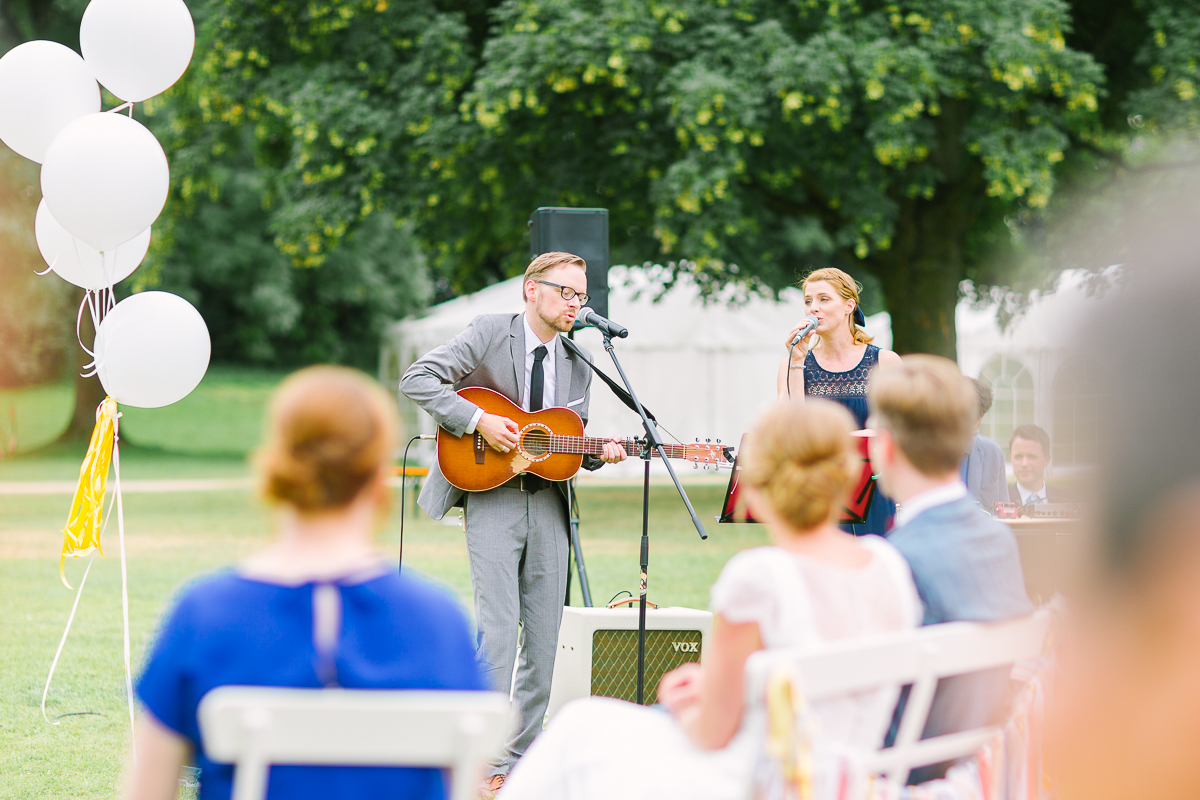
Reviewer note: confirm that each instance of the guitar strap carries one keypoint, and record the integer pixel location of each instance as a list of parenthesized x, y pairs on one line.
[(621, 394)]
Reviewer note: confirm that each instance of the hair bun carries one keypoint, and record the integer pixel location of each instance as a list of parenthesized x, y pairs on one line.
[(801, 457), (330, 432)]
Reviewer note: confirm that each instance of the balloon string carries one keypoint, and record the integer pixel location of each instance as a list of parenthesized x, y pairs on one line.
[(124, 578), (48, 269), (79, 324), (71, 617), (122, 107), (63, 640), (90, 368)]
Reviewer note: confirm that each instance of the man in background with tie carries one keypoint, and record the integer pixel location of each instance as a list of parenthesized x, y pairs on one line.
[(1029, 452), (517, 533)]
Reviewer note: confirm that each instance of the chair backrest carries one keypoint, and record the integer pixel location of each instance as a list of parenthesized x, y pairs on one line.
[(255, 727), (919, 657)]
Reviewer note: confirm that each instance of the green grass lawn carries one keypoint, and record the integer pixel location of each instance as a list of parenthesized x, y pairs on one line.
[(172, 537), (33, 416), (207, 434)]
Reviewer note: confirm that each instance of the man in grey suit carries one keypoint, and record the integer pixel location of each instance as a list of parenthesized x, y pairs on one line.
[(516, 533), (965, 564), (983, 467)]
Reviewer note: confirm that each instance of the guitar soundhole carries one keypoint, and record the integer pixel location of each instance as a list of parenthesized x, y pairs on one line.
[(535, 442)]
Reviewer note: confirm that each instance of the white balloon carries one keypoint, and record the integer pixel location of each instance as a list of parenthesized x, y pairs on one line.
[(44, 86), (152, 350), (78, 262), (105, 179), (137, 48)]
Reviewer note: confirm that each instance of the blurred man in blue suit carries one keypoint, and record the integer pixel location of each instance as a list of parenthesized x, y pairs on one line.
[(965, 564), (982, 468)]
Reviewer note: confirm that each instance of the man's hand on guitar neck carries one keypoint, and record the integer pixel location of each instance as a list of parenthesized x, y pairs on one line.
[(613, 452), (499, 432)]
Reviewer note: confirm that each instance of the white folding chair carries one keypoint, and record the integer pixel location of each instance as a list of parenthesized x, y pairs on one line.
[(919, 657), (254, 727)]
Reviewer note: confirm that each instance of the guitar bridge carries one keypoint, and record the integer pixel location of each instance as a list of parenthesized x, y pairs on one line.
[(479, 448)]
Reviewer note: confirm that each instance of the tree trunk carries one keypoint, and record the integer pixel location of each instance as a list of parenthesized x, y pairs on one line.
[(920, 277), (922, 270), (88, 391)]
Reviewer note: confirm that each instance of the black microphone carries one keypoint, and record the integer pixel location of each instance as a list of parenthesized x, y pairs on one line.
[(810, 323), (588, 316)]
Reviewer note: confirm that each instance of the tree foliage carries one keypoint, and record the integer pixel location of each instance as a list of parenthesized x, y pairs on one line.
[(923, 144), (740, 140), (241, 233)]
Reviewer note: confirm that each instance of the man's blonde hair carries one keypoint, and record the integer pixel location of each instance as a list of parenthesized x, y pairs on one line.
[(929, 408), (540, 266)]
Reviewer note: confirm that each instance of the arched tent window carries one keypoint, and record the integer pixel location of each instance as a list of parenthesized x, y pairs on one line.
[(1012, 402), (1076, 432)]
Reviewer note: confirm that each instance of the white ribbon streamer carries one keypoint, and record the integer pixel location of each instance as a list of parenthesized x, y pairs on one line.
[(71, 618), (124, 579), (63, 640)]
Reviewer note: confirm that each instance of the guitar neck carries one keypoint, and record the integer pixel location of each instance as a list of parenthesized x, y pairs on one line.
[(591, 445)]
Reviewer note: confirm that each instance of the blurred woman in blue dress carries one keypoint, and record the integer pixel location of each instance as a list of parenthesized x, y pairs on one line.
[(833, 361), (318, 607)]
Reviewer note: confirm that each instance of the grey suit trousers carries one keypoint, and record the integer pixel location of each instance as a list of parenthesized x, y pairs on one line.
[(518, 547)]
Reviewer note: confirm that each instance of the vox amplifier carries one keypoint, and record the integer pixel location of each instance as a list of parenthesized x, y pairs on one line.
[(597, 651)]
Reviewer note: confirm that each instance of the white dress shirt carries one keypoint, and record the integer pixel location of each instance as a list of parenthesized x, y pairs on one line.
[(931, 498), (532, 342), (1028, 496)]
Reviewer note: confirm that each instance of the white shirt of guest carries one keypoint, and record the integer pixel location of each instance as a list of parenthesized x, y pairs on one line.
[(532, 342), (1031, 496), (931, 498)]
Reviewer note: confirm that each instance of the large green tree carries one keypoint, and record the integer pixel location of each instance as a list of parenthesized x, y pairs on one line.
[(924, 143)]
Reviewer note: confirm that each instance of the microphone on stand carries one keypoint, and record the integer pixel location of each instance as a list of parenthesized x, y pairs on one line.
[(589, 317), (810, 322)]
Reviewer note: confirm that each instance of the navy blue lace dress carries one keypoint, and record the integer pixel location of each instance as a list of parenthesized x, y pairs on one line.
[(850, 389)]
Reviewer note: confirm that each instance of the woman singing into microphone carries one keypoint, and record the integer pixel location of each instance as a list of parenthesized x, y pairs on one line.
[(837, 366)]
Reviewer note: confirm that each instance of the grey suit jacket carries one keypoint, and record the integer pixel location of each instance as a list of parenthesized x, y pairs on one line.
[(489, 353), (985, 473)]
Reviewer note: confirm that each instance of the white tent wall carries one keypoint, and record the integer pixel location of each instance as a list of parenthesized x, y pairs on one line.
[(708, 370)]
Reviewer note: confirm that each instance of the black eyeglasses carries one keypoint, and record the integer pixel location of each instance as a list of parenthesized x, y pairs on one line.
[(567, 292)]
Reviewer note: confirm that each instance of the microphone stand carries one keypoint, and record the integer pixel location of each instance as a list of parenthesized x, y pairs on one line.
[(652, 440)]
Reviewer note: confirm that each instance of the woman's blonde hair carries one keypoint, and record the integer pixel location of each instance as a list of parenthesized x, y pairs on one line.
[(330, 432), (801, 458), (848, 288)]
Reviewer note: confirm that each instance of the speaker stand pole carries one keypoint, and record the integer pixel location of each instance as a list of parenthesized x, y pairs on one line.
[(652, 442), (585, 589)]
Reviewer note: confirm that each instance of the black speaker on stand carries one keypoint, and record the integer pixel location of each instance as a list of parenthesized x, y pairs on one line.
[(583, 232)]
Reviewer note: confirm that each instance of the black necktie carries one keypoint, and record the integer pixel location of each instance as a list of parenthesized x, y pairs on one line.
[(536, 379)]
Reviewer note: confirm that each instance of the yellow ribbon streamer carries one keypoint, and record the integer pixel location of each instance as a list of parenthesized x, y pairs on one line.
[(82, 533), (787, 741)]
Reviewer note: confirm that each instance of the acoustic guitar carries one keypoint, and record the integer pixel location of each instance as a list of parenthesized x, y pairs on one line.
[(550, 443)]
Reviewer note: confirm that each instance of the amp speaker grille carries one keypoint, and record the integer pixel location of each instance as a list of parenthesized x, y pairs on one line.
[(614, 660)]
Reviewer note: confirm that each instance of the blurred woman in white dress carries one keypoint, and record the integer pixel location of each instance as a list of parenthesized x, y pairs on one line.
[(815, 584)]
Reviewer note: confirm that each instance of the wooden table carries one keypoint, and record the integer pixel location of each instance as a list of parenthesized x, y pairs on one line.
[(1051, 552)]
